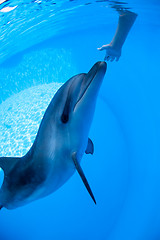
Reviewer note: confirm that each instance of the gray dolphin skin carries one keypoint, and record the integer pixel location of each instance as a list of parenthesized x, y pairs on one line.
[(61, 141)]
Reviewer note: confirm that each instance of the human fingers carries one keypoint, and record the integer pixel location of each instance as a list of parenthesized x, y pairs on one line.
[(112, 59), (117, 58), (107, 58), (102, 48)]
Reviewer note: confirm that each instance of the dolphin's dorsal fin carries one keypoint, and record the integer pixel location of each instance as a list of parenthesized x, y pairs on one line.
[(80, 171), (90, 147), (7, 163)]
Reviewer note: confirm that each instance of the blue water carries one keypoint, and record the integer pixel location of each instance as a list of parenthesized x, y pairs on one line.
[(43, 44)]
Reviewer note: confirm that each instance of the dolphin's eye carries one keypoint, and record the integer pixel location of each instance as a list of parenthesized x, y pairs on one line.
[(64, 118)]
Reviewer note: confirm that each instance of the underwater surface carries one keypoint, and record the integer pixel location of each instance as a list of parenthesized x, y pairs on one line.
[(43, 43)]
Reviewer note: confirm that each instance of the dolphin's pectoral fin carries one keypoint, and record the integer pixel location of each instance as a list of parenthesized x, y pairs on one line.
[(90, 147), (7, 163), (80, 171)]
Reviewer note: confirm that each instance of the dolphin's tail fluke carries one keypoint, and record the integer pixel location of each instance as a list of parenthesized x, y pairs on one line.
[(80, 171)]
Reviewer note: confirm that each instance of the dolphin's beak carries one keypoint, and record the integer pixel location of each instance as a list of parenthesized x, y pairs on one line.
[(95, 75), (98, 68)]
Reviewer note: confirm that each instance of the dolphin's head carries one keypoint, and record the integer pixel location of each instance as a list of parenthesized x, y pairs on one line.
[(81, 98), (72, 108), (82, 94)]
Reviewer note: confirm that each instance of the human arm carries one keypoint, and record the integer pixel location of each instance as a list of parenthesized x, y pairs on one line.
[(114, 48)]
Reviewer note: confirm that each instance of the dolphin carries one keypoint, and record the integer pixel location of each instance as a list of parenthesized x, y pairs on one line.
[(60, 143)]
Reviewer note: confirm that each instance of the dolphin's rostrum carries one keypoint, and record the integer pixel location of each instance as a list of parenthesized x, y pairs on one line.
[(61, 141)]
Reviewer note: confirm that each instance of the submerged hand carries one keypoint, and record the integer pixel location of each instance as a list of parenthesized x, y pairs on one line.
[(111, 52)]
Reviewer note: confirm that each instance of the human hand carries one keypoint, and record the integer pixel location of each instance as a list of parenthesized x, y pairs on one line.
[(111, 53)]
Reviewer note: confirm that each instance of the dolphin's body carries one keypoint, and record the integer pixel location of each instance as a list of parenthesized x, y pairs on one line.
[(60, 143)]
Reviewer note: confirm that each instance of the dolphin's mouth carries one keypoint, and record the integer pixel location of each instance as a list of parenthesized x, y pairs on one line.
[(88, 79)]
